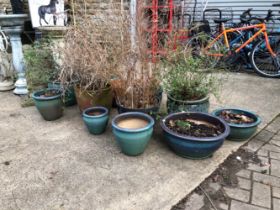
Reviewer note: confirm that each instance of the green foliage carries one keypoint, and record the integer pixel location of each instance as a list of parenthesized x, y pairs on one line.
[(186, 79), (183, 124), (40, 65)]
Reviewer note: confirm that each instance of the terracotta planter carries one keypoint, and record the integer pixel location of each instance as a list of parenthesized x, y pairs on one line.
[(86, 99)]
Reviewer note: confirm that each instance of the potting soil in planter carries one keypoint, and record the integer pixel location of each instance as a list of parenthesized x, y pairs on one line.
[(49, 93), (94, 113), (194, 128), (132, 123), (235, 118)]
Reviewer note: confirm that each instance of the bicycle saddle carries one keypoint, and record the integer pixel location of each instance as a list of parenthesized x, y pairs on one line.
[(222, 20)]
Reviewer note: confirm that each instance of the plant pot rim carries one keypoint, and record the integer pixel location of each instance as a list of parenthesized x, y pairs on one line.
[(95, 108), (34, 94), (193, 138), (189, 101), (247, 125), (133, 114), (140, 109), (102, 89)]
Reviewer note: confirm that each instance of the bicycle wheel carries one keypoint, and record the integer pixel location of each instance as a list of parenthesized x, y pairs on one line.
[(262, 61), (196, 47)]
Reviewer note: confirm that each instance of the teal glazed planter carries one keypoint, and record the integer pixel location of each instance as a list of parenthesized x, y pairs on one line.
[(133, 141), (194, 147), (240, 132), (69, 98), (96, 124), (174, 105), (50, 108)]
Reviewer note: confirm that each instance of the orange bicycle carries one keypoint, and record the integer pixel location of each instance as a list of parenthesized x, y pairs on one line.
[(262, 49)]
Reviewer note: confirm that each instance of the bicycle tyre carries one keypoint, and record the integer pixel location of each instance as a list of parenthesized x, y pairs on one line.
[(196, 45), (262, 61)]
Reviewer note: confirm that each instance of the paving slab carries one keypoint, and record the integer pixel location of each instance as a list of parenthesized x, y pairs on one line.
[(59, 165)]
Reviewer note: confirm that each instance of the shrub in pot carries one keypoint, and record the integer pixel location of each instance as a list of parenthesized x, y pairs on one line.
[(49, 103), (187, 85), (87, 59)]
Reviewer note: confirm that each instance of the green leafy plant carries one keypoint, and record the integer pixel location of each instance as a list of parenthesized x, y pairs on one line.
[(183, 124), (184, 77), (40, 64)]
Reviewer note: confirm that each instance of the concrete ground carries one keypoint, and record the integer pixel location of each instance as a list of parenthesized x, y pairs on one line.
[(59, 165), (258, 184)]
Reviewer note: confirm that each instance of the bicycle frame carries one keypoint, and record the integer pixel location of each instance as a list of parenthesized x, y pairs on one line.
[(262, 30)]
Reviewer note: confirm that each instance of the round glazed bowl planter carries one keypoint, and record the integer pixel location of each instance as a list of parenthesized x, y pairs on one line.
[(133, 141), (51, 108), (96, 119), (174, 105), (68, 98), (240, 132), (194, 147), (86, 99)]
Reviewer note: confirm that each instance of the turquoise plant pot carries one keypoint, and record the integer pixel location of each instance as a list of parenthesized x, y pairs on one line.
[(174, 105), (97, 123), (49, 107), (240, 132), (133, 141), (69, 98)]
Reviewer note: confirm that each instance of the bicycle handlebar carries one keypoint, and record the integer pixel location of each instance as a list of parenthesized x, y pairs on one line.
[(247, 17), (212, 10)]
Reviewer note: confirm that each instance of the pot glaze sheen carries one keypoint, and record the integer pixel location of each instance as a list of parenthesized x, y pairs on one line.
[(240, 132), (96, 124), (133, 141), (174, 105), (51, 108), (194, 147)]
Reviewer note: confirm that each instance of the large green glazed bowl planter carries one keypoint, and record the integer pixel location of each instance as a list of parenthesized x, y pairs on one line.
[(240, 132), (194, 147), (69, 98), (51, 108), (133, 141), (96, 124), (174, 105)]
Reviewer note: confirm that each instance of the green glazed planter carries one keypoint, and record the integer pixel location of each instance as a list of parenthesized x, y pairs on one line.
[(133, 141), (69, 98), (96, 124), (174, 105), (86, 99), (49, 107), (240, 132)]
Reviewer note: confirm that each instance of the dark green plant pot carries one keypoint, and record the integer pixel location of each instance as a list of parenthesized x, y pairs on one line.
[(49, 107), (69, 98), (86, 99), (96, 124), (240, 132), (133, 141), (174, 105)]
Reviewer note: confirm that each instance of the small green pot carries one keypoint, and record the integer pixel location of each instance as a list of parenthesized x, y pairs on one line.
[(174, 105), (240, 132), (49, 107), (68, 98), (96, 124), (133, 141)]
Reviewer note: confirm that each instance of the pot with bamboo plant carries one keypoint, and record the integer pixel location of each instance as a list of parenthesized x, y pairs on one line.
[(87, 60), (187, 84)]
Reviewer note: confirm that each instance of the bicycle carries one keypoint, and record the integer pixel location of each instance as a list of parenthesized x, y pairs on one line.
[(264, 55)]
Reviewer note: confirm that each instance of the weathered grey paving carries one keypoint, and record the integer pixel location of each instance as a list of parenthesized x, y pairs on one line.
[(259, 184), (59, 165)]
